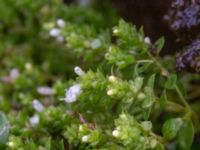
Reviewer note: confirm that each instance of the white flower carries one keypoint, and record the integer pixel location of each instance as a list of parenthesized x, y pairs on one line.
[(61, 23), (37, 105), (78, 71), (112, 79), (14, 74), (54, 32), (60, 39), (115, 133), (45, 90), (85, 138), (34, 120), (72, 93), (147, 40)]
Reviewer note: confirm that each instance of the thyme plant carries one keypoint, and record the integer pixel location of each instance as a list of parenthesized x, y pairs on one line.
[(124, 96)]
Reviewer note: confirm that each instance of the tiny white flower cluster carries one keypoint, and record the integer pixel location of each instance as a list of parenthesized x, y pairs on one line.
[(45, 90), (37, 105), (56, 32), (72, 93)]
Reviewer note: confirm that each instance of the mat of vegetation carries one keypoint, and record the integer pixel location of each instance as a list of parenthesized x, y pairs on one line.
[(78, 77)]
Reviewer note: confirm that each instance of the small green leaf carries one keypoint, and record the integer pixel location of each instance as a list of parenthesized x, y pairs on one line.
[(4, 128), (151, 81), (171, 128), (160, 44), (163, 99), (171, 82), (186, 135), (150, 97), (138, 82)]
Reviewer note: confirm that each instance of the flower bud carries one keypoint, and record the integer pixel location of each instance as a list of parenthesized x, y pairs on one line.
[(37, 105), (34, 120), (80, 127), (78, 71), (147, 40), (45, 90), (141, 96), (111, 92), (115, 31), (54, 32), (112, 79), (85, 138), (115, 133)]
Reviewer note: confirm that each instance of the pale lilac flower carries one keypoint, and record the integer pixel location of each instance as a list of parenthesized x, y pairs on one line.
[(72, 93), (60, 39), (78, 71), (14, 74), (37, 105), (96, 44), (61, 23), (45, 90), (54, 32), (84, 2), (34, 120)]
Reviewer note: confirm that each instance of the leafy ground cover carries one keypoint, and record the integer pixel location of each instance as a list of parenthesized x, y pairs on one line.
[(76, 77)]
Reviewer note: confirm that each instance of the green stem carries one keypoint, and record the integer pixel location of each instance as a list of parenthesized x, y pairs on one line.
[(165, 73)]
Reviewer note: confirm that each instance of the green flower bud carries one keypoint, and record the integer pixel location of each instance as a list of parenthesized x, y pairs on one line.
[(141, 96), (112, 79), (111, 92), (11, 144), (115, 31)]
